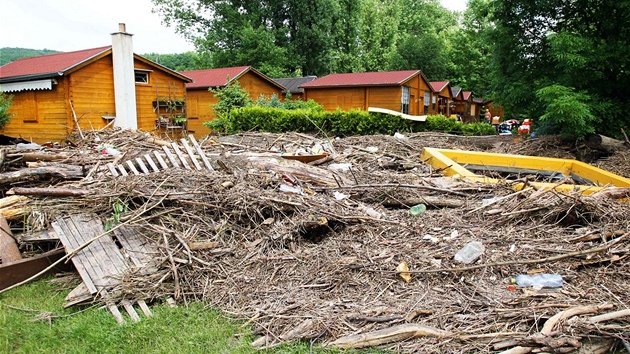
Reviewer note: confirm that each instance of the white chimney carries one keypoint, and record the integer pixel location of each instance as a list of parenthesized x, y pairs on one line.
[(124, 79)]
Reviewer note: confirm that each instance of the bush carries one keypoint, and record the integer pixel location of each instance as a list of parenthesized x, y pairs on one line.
[(340, 123), (478, 129), (5, 104), (444, 124)]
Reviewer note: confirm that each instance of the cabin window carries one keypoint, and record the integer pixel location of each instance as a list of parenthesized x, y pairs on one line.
[(427, 100), (142, 77), (405, 100)]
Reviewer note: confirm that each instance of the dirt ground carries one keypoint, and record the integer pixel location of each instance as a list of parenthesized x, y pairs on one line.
[(325, 257)]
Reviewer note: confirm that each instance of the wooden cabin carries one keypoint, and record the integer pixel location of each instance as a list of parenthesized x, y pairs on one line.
[(444, 98), (462, 100), (55, 94), (406, 91), (292, 86), (200, 100)]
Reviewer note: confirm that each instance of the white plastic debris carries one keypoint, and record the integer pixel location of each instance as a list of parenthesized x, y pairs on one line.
[(371, 149), (340, 196), (397, 135), (340, 167), (28, 146)]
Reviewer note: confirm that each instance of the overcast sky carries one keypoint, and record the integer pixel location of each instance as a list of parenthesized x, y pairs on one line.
[(67, 25)]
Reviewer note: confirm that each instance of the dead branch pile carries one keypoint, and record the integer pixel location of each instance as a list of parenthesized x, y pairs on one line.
[(322, 261)]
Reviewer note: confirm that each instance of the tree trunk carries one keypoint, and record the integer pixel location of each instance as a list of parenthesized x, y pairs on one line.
[(605, 144)]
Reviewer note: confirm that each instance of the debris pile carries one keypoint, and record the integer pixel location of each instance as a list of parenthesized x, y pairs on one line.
[(328, 250)]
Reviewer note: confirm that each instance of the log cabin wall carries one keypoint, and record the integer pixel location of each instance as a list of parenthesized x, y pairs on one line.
[(39, 115), (160, 86), (362, 97), (200, 101), (91, 90)]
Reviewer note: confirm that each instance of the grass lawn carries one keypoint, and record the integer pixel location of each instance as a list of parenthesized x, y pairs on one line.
[(26, 327)]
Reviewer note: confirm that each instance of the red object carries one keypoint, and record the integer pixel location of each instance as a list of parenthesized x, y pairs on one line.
[(360, 79), (511, 287)]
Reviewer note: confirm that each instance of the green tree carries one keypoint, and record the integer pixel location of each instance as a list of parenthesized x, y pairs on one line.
[(581, 45), (231, 96), (5, 104), (378, 33), (566, 112)]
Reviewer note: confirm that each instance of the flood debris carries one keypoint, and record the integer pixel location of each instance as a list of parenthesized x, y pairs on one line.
[(337, 258)]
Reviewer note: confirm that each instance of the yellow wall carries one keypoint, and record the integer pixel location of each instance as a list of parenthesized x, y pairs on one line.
[(43, 116), (200, 101), (39, 116), (362, 97)]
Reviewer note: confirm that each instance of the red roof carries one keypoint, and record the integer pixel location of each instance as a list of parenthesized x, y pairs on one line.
[(438, 86), (467, 95), (214, 77), (49, 64), (364, 79)]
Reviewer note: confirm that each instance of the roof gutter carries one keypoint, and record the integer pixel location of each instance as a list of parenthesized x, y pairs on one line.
[(22, 78)]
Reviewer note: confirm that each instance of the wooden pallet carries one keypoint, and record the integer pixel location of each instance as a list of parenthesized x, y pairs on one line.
[(189, 156), (102, 262)]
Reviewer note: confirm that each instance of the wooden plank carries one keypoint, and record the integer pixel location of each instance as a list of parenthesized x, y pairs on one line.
[(203, 156), (112, 169), (151, 163), (122, 170), (112, 308), (78, 235), (179, 154), (117, 315), (39, 236), (130, 310), (112, 251), (78, 295), (141, 253), (143, 167), (78, 259), (160, 160), (191, 153), (145, 309), (170, 157), (132, 168)]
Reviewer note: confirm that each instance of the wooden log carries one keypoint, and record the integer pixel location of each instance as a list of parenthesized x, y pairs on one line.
[(66, 172), (38, 156), (606, 144), (57, 192), (9, 251), (388, 335), (303, 172), (11, 201)]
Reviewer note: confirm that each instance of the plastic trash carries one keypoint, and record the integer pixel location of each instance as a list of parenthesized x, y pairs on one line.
[(111, 151), (470, 252), (28, 146), (399, 136), (539, 281), (340, 196), (371, 149), (418, 209), (289, 189), (340, 166)]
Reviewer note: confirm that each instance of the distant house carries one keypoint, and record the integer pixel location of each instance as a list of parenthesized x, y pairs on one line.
[(292, 86), (442, 89), (464, 104), (200, 100), (405, 91), (55, 94)]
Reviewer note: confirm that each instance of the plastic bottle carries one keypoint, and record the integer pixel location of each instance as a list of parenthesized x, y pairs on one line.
[(539, 281), (418, 209), (470, 252)]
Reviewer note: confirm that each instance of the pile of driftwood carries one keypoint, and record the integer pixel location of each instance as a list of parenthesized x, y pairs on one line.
[(323, 247)]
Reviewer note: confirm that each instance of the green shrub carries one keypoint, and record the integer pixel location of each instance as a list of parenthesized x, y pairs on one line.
[(478, 129), (443, 124), (5, 104), (340, 123)]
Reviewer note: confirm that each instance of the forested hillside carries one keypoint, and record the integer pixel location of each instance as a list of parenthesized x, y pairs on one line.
[(8, 55)]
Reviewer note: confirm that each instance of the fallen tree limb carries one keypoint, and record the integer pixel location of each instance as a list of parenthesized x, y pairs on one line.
[(57, 192), (438, 202), (387, 335), (396, 185), (551, 323), (610, 316), (65, 172)]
